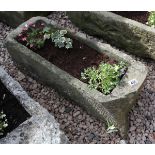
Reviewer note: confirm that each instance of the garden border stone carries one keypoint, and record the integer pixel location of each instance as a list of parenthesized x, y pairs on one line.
[(113, 107), (129, 35), (40, 128), (15, 18)]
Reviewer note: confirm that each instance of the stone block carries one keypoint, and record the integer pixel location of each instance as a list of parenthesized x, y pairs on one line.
[(40, 128), (113, 107), (124, 33)]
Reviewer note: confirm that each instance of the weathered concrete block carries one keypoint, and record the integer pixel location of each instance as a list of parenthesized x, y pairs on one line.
[(124, 33), (113, 107), (15, 18), (40, 128)]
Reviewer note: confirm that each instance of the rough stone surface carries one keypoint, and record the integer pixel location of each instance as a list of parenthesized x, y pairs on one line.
[(14, 18), (40, 128), (124, 33), (113, 107), (78, 130)]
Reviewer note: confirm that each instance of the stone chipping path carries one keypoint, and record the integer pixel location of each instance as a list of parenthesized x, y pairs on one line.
[(75, 122)]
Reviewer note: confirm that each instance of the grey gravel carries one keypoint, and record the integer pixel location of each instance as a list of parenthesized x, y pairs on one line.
[(74, 121)]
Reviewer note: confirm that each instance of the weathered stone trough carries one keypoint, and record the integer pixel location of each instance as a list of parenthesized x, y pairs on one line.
[(15, 18), (124, 33), (39, 128), (113, 108)]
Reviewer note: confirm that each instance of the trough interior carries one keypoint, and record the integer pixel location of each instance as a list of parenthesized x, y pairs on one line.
[(15, 113), (73, 60)]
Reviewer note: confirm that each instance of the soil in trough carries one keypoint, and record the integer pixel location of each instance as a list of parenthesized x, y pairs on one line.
[(73, 60), (140, 16), (15, 113)]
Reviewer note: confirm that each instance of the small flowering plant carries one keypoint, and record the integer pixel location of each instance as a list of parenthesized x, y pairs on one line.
[(32, 35), (3, 122), (35, 35), (104, 78), (59, 39)]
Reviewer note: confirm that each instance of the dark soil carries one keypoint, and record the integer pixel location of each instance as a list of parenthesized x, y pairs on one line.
[(15, 113), (75, 60), (140, 16)]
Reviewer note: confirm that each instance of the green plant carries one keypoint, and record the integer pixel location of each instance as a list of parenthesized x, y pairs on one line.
[(35, 38), (111, 127), (3, 122), (151, 19), (61, 41), (105, 77)]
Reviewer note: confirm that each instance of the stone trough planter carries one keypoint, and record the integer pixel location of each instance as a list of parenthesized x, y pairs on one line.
[(124, 33), (40, 126), (15, 18), (113, 108)]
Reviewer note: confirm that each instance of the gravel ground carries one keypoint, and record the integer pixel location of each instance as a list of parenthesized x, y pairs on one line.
[(75, 122)]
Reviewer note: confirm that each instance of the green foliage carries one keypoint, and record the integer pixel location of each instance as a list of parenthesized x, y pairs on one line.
[(151, 19), (47, 30), (111, 127), (105, 77), (3, 122), (61, 41), (35, 38)]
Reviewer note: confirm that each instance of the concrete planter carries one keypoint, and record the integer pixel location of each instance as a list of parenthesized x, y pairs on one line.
[(15, 18), (113, 107), (124, 33), (40, 128)]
